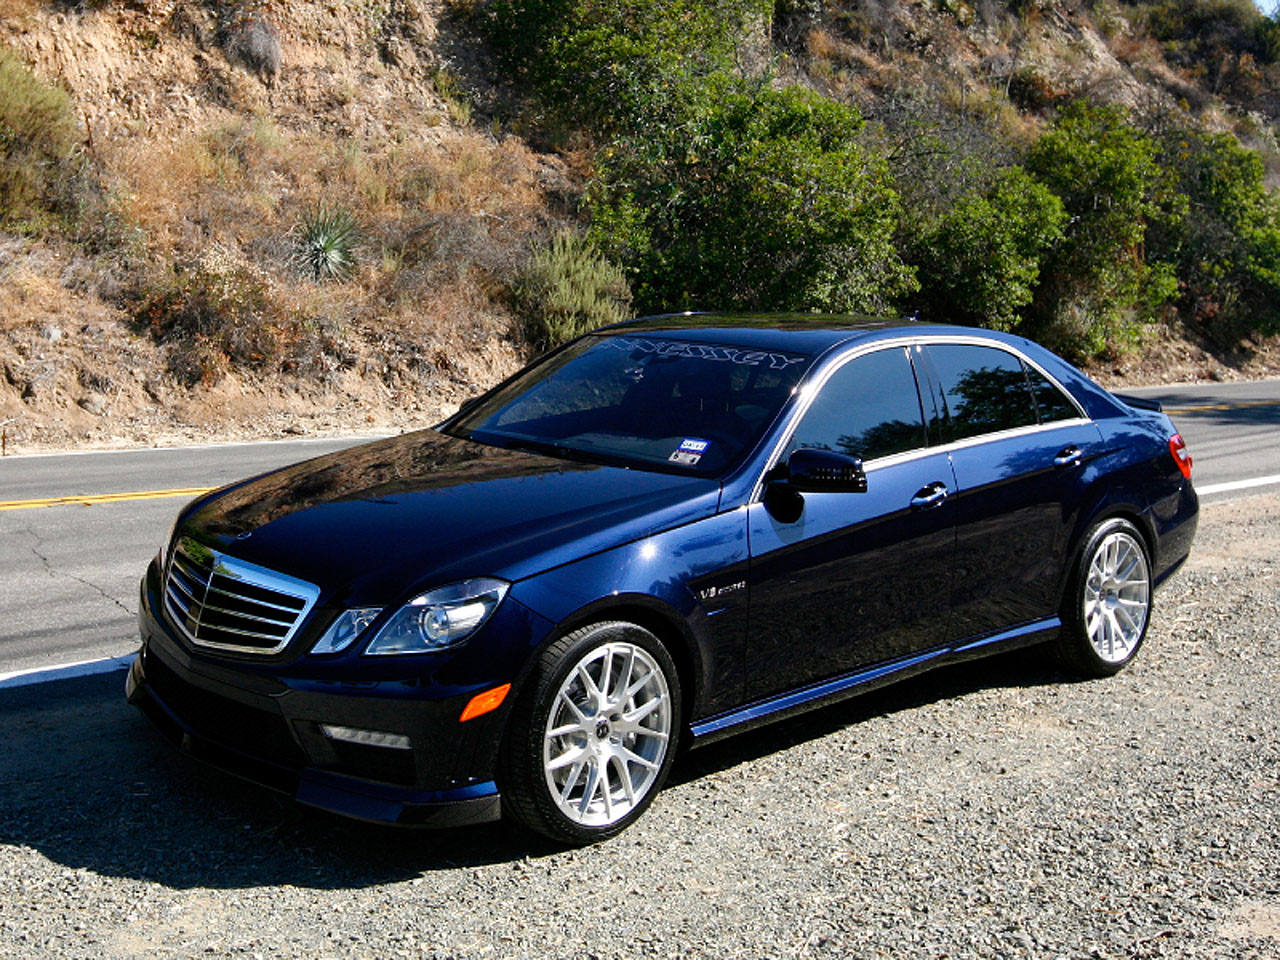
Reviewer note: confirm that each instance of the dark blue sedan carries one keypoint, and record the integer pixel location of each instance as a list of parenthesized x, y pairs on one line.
[(664, 532)]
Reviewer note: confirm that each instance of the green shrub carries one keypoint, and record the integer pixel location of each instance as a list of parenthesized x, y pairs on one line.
[(567, 289), (326, 239), (1227, 250), (762, 199), (1269, 37), (42, 173), (453, 94), (1220, 41), (980, 263), (1098, 281), (1202, 28), (604, 65)]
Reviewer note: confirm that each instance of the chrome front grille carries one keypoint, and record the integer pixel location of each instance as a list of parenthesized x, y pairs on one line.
[(228, 604)]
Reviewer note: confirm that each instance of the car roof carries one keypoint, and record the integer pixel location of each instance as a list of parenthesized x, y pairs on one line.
[(810, 333), (817, 335)]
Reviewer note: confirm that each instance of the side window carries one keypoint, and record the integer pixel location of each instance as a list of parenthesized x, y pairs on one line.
[(1050, 400), (868, 408), (985, 388)]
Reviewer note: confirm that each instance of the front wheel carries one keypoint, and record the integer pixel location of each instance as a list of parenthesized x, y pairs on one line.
[(592, 737), (1108, 603)]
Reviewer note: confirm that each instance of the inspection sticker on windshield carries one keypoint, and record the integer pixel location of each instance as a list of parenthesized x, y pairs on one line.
[(690, 451)]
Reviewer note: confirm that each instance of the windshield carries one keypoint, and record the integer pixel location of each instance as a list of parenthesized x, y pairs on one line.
[(670, 405)]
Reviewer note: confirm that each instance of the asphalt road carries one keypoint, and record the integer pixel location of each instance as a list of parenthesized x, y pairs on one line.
[(1232, 429), (69, 572)]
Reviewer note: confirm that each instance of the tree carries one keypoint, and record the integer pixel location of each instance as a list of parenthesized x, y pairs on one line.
[(980, 262), (1098, 280), (1227, 249), (606, 64), (762, 198)]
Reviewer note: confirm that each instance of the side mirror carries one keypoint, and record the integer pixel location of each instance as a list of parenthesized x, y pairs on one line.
[(825, 471)]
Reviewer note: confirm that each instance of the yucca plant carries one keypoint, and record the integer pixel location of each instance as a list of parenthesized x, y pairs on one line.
[(326, 239)]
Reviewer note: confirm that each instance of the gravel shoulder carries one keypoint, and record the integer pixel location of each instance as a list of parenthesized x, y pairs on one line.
[(990, 810)]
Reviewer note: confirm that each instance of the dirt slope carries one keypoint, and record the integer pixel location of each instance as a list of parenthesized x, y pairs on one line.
[(208, 155)]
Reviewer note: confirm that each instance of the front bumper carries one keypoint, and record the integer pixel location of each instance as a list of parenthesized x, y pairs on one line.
[(258, 722), (355, 797)]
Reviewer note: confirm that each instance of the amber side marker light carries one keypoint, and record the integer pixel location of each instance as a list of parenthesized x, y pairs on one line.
[(485, 702), (1178, 447)]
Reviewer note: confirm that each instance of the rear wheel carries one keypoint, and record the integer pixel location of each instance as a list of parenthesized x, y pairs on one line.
[(592, 737), (1108, 603)]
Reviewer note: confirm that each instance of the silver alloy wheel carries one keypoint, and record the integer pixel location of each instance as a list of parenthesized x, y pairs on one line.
[(1117, 597), (607, 734)]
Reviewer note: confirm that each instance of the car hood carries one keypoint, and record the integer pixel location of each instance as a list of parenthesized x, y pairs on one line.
[(376, 523)]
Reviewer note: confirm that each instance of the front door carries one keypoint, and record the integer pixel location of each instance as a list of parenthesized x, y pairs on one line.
[(840, 581)]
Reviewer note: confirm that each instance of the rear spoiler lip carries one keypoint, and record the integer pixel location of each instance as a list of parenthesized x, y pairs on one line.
[(1140, 403)]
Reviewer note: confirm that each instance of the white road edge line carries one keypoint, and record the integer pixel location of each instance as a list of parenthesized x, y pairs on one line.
[(1238, 485), (64, 671)]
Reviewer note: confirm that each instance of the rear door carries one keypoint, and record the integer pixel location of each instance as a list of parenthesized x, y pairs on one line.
[(1021, 449)]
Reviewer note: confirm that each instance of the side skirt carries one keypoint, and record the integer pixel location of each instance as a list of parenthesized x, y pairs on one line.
[(850, 684)]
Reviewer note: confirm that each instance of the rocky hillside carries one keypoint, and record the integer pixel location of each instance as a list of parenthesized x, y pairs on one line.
[(319, 216), (210, 159), (1027, 58)]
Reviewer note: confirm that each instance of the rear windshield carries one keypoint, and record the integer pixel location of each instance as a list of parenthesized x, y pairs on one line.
[(670, 405)]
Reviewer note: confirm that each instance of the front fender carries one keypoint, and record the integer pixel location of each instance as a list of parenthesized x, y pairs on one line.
[(688, 585)]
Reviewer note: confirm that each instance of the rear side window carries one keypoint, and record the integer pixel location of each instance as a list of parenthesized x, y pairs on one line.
[(1051, 403), (868, 408), (986, 389)]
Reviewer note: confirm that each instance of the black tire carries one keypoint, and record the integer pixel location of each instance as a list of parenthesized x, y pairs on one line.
[(1107, 607), (599, 773)]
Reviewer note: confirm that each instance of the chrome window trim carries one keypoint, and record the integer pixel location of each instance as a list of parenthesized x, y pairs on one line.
[(253, 575), (815, 386)]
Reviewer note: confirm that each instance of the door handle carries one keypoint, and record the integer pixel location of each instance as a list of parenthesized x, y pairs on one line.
[(1069, 457), (928, 497)]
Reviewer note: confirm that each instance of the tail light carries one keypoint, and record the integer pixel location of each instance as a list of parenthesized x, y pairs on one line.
[(1178, 447)]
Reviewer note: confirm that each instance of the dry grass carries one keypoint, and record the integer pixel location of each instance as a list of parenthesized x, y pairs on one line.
[(444, 225), (30, 292), (251, 179), (13, 9), (821, 45)]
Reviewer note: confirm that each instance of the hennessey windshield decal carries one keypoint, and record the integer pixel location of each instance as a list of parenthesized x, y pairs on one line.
[(706, 351)]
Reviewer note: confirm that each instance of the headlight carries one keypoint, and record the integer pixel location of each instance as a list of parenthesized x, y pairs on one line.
[(440, 618), (349, 625)]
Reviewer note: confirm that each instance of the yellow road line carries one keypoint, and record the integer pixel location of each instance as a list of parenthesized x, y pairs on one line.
[(1218, 407), (93, 498)]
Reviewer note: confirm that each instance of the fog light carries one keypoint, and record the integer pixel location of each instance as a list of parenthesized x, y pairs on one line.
[(368, 738)]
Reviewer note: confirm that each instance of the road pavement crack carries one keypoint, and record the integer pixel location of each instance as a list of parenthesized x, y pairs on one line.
[(50, 569)]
